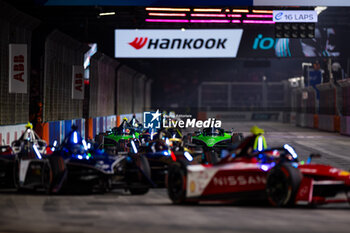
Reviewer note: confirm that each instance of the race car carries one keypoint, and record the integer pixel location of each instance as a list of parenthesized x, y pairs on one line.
[(214, 140), (118, 139), (273, 175), (148, 135), (83, 168), (25, 164), (166, 149), (215, 137), (134, 123)]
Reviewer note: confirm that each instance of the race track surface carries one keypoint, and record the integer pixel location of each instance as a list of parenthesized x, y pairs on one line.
[(121, 212)]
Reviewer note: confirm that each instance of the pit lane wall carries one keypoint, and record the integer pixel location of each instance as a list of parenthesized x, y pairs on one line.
[(327, 111)]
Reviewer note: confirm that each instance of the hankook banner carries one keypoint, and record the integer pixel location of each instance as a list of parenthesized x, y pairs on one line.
[(177, 43)]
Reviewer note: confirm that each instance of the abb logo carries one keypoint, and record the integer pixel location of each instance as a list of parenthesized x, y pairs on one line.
[(138, 43), (79, 82), (18, 68)]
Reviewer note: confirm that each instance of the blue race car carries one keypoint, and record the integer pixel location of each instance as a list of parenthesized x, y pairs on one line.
[(80, 167)]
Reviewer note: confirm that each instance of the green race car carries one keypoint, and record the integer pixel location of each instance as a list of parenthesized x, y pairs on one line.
[(117, 140), (214, 140)]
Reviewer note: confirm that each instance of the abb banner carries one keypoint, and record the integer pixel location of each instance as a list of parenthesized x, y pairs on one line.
[(177, 43), (78, 82), (18, 70)]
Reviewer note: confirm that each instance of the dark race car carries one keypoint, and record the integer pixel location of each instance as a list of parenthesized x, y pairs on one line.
[(118, 139), (164, 151), (247, 174), (214, 140), (82, 168), (26, 165), (136, 125)]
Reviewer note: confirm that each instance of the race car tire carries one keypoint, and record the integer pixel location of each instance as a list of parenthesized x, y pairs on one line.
[(16, 174), (282, 184), (177, 177), (144, 176), (59, 173), (47, 177)]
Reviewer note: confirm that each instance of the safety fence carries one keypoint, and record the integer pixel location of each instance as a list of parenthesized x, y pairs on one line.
[(101, 94), (15, 28), (328, 111), (112, 89), (242, 96), (61, 54)]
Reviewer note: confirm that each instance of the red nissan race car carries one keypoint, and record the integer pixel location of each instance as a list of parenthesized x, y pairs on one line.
[(273, 174)]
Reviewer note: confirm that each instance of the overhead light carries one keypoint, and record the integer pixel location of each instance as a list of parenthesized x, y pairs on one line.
[(258, 22), (207, 10), (167, 20), (183, 29), (263, 11), (107, 13), (166, 9), (320, 9), (259, 16), (168, 14), (240, 10), (234, 15), (208, 15), (209, 21)]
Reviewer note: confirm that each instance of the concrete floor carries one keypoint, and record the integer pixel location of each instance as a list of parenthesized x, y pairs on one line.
[(120, 212)]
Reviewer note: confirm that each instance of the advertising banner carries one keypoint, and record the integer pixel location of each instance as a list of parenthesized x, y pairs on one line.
[(78, 82), (177, 43), (262, 43), (18, 70)]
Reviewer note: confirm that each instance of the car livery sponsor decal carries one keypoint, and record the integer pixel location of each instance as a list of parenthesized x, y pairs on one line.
[(238, 180), (199, 177)]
